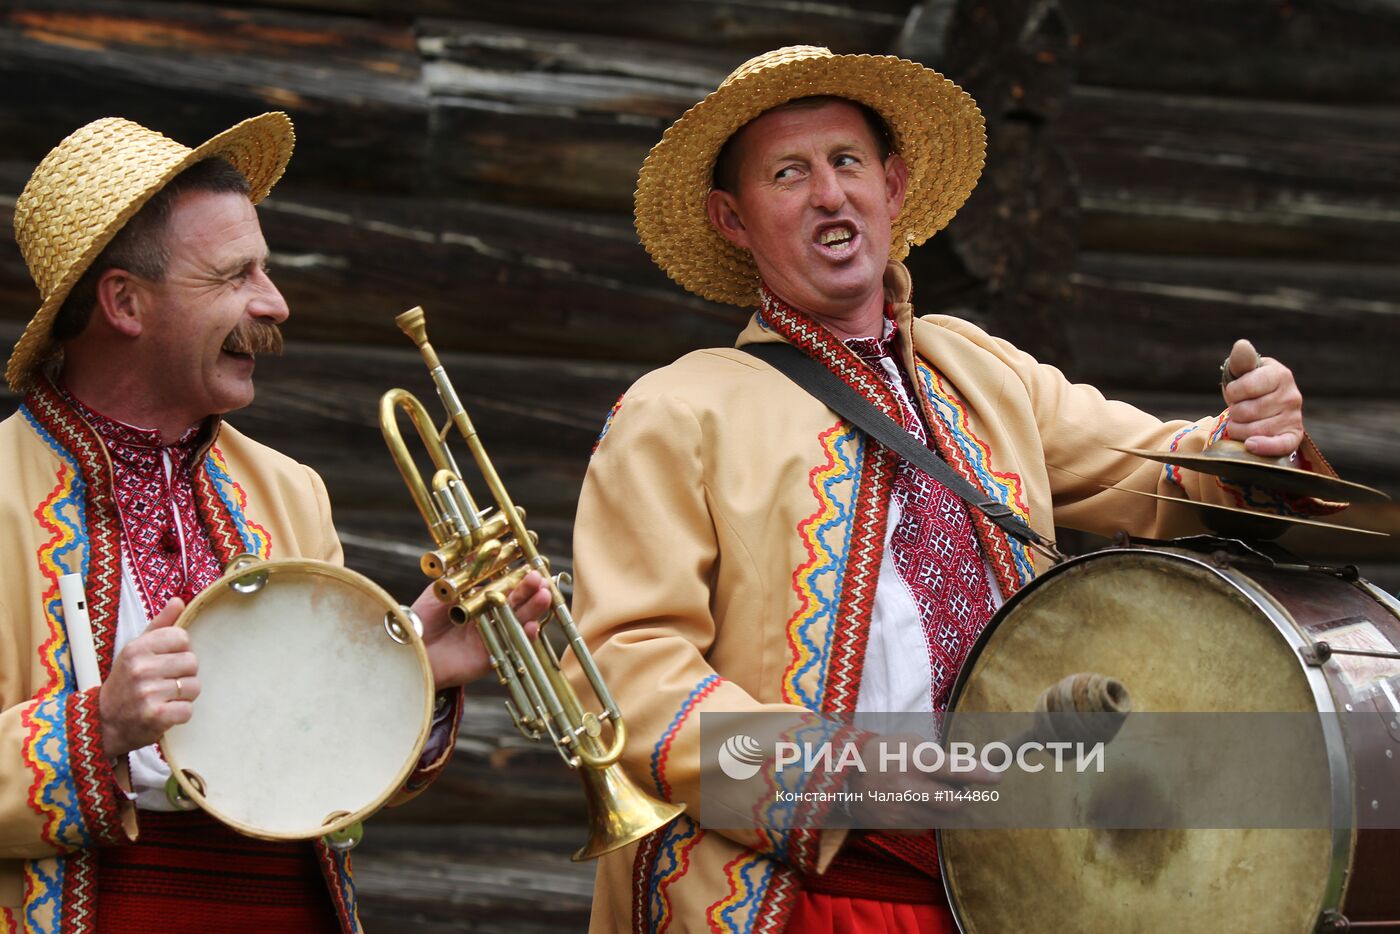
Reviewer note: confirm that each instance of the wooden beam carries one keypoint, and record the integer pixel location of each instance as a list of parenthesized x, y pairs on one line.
[(1161, 323), (1335, 51), (740, 28), (1211, 175)]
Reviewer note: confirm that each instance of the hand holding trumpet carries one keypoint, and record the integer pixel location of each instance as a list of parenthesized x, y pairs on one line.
[(456, 653)]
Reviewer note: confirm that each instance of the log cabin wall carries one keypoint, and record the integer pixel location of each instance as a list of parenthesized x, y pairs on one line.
[(1162, 178)]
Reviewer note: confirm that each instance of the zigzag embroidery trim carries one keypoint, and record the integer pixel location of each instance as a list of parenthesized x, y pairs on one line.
[(662, 751), (671, 863), (777, 903), (52, 793), (43, 895), (255, 538), (818, 580), (342, 884), (861, 580), (747, 875)]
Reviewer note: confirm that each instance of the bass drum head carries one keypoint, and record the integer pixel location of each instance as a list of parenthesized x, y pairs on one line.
[(310, 715), (1181, 638)]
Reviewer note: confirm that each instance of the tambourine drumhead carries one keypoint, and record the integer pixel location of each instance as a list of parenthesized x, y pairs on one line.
[(310, 715), (1182, 638)]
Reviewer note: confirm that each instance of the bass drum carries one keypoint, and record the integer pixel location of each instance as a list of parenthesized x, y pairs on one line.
[(315, 700), (1190, 632)]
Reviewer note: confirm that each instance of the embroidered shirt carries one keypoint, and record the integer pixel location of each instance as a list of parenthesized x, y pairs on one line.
[(937, 562), (163, 540)]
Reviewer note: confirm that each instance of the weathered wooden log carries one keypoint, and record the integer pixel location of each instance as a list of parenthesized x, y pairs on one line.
[(1017, 236), (1323, 50), (432, 878), (743, 27), (1211, 175), (189, 70), (1161, 322)]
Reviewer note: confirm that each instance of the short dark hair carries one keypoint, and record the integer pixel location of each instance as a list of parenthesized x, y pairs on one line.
[(727, 162), (140, 246)]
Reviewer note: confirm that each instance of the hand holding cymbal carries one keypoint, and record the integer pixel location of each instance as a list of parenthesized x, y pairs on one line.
[(1266, 407)]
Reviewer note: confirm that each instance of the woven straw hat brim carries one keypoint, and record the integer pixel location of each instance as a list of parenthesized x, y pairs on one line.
[(87, 188), (935, 125)]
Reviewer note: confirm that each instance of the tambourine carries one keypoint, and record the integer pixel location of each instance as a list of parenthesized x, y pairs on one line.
[(316, 698)]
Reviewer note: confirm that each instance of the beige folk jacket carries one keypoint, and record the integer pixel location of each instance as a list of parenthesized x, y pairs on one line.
[(728, 542), (59, 797)]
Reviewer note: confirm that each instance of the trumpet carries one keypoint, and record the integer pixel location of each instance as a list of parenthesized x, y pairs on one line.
[(479, 556)]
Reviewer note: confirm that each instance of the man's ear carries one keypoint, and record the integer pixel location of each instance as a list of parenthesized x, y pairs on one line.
[(120, 301), (723, 211), (896, 181)]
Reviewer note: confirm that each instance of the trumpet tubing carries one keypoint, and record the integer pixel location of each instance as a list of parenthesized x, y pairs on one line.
[(479, 557)]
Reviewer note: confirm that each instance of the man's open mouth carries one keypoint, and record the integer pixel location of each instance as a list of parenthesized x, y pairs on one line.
[(837, 239)]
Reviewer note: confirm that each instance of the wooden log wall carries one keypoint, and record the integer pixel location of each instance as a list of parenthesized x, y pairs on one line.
[(1163, 177)]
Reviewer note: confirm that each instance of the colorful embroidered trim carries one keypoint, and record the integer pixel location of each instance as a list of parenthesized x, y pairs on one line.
[(777, 903), (747, 876), (796, 800), (72, 440), (230, 529), (866, 536), (671, 861), (969, 455), (607, 422), (341, 882), (51, 791), (825, 535), (662, 751)]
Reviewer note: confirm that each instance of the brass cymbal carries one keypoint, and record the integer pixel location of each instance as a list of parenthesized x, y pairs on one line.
[(1247, 523), (1229, 461)]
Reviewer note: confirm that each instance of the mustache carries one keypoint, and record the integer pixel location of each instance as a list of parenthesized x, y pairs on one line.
[(255, 337)]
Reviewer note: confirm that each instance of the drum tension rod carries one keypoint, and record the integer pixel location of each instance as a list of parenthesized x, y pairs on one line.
[(1318, 653), (1333, 921)]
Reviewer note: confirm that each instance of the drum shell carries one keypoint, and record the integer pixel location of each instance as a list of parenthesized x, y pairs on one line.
[(1317, 605), (1282, 608)]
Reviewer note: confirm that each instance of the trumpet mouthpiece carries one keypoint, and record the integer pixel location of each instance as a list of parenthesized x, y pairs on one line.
[(413, 323)]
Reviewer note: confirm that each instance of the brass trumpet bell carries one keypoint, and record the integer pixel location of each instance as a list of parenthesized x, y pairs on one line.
[(619, 812)]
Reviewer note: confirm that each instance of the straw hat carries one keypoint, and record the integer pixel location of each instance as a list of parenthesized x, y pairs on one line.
[(93, 182), (935, 125)]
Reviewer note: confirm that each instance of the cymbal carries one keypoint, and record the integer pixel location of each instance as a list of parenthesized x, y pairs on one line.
[(1246, 523), (1229, 461)]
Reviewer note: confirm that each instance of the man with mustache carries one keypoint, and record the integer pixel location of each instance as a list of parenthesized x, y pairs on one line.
[(741, 548), (118, 467)]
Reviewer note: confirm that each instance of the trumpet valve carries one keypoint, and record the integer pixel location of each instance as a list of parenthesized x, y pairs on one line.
[(435, 563)]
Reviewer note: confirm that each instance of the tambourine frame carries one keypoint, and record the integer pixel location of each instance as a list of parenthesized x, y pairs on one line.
[(246, 567)]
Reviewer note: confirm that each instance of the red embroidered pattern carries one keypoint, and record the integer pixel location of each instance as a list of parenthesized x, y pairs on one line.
[(166, 545), (79, 891), (92, 771), (996, 544), (643, 867), (777, 903), (934, 550)]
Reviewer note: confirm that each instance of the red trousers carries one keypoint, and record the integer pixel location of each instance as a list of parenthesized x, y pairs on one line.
[(817, 913)]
